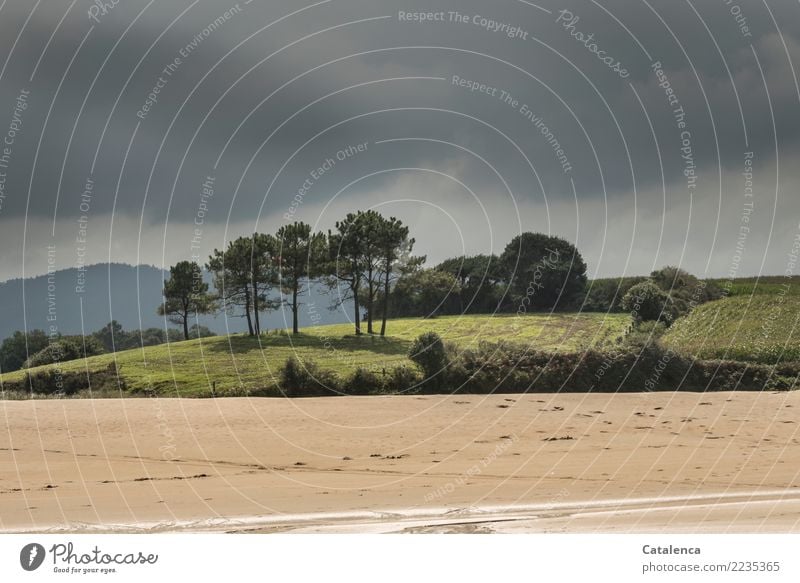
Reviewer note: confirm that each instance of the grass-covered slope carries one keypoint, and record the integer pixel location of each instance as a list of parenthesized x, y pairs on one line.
[(239, 364), (764, 327)]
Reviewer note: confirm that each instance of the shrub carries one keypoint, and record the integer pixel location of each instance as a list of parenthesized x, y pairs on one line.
[(65, 349), (605, 295), (54, 382), (429, 354), (647, 302), (645, 334), (362, 382), (402, 379), (504, 368), (306, 379)]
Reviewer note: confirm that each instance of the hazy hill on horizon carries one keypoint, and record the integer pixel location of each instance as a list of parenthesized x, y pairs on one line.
[(116, 291)]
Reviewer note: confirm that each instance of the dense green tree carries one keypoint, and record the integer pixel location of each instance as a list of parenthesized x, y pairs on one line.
[(113, 337), (647, 302), (543, 271), (686, 290), (426, 292), (480, 281), (16, 349), (301, 255), (185, 295)]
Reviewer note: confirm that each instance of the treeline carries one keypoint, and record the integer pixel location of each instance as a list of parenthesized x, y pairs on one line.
[(37, 348), (368, 260), (362, 259)]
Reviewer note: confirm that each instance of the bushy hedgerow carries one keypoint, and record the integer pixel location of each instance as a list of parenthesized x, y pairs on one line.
[(402, 379), (605, 295), (306, 379), (504, 368), (362, 382), (52, 382), (65, 349)]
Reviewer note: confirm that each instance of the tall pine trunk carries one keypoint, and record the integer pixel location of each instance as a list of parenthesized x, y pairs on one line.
[(186, 325), (385, 314), (247, 311), (370, 298), (255, 308), (295, 327), (358, 309)]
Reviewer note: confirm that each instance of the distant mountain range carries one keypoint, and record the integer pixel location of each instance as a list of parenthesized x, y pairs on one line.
[(114, 291)]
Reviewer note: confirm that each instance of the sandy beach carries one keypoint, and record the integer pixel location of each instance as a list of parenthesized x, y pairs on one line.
[(652, 462)]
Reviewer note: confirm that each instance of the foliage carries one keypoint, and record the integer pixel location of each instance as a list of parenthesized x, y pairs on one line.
[(51, 382), (479, 280), (300, 256), (243, 274), (185, 294), (363, 381), (647, 302), (306, 379), (427, 293), (64, 349), (544, 272), (605, 295), (428, 353), (510, 368), (15, 349), (240, 362)]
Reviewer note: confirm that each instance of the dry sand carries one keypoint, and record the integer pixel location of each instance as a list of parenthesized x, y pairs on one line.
[(717, 462)]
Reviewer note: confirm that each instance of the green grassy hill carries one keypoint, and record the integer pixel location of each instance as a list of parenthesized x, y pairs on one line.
[(238, 364), (763, 327)]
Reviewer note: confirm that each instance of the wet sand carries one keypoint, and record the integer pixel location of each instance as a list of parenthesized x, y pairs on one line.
[(652, 462)]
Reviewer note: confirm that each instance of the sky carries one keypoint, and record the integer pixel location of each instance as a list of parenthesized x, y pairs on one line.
[(646, 132)]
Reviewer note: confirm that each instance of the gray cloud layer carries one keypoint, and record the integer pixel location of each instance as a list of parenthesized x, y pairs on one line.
[(272, 90)]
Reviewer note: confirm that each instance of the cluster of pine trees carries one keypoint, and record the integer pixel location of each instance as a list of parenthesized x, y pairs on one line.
[(363, 257)]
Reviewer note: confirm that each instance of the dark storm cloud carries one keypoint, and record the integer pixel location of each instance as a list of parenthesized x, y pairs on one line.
[(467, 167)]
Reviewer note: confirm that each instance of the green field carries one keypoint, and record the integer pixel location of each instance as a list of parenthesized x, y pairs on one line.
[(238, 364), (763, 328), (767, 285)]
